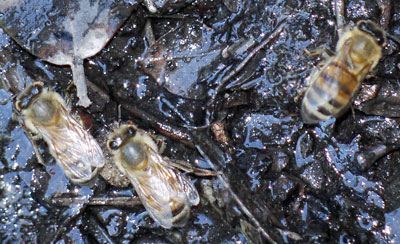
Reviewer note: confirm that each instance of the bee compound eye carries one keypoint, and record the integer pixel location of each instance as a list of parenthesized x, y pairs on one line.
[(380, 39), (18, 106), (131, 131), (114, 144), (362, 25)]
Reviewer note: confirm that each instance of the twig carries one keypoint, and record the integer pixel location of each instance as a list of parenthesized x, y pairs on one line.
[(72, 217), (386, 9), (339, 11), (159, 125), (246, 211), (253, 52), (98, 201)]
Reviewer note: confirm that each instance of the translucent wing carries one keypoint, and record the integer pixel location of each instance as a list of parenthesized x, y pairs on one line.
[(164, 191), (331, 75), (73, 147)]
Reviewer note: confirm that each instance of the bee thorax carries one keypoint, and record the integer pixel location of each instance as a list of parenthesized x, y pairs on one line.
[(43, 110), (133, 154)]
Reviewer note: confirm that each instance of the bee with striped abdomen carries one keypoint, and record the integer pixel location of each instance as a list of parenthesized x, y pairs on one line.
[(332, 88), (46, 116), (164, 191)]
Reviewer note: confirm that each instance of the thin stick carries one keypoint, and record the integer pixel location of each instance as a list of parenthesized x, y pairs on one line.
[(339, 11), (246, 211), (69, 219), (158, 124), (98, 201), (386, 10), (253, 52)]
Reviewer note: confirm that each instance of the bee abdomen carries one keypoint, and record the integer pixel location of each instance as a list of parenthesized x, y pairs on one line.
[(330, 93), (180, 213)]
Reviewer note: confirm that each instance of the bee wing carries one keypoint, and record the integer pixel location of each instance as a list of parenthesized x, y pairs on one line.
[(186, 185), (332, 72), (164, 191), (74, 149)]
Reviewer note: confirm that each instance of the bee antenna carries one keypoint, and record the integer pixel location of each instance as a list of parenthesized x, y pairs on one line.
[(119, 114)]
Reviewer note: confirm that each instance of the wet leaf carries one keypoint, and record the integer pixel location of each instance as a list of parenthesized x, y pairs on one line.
[(382, 99), (64, 32), (232, 5), (181, 58), (163, 6)]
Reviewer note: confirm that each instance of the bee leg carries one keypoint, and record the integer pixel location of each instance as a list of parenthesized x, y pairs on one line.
[(320, 51), (184, 166), (353, 112), (70, 87), (160, 142), (16, 118), (37, 153), (33, 138)]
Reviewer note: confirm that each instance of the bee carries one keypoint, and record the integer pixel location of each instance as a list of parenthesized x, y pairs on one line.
[(164, 191), (45, 115), (332, 88)]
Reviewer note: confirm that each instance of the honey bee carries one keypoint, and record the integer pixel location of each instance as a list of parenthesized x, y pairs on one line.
[(46, 116), (164, 191), (332, 88)]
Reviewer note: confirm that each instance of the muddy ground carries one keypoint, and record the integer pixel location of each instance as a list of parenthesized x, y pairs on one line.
[(302, 183)]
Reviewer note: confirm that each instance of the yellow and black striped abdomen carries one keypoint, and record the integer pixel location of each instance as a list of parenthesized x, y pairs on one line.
[(330, 93)]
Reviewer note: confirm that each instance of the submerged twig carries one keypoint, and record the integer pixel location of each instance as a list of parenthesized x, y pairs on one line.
[(158, 124), (235, 70), (94, 227), (251, 55), (73, 215), (97, 201), (369, 156)]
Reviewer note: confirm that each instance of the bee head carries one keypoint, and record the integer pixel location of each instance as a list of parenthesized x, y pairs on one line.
[(372, 29), (124, 143), (120, 136)]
